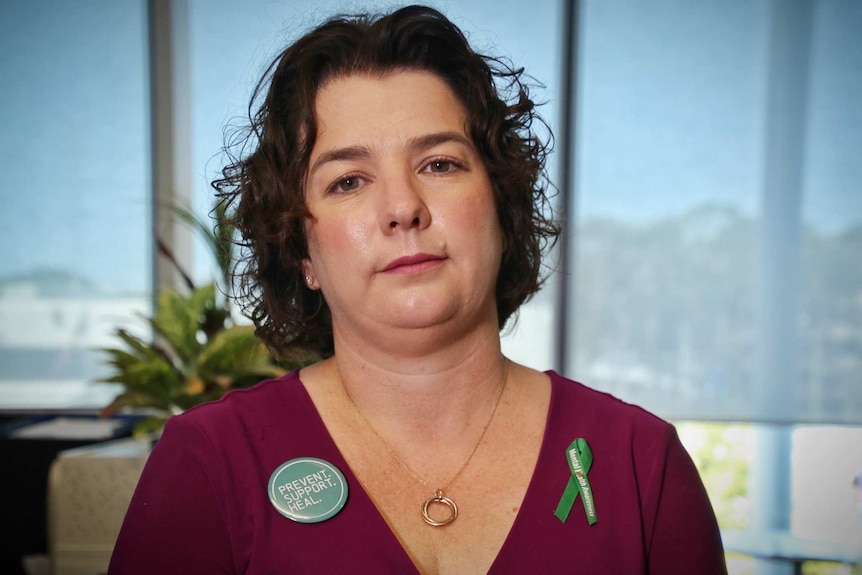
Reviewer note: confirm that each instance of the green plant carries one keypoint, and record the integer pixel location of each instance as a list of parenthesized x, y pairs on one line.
[(198, 352)]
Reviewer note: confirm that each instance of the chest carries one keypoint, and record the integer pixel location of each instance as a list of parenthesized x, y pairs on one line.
[(488, 498), (505, 499), (381, 530), (487, 491)]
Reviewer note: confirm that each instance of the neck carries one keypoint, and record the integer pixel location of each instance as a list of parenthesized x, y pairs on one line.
[(437, 395)]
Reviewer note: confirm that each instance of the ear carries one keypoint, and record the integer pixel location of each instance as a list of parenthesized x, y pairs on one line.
[(309, 275)]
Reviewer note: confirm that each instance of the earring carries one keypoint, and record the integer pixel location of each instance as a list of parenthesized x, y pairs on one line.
[(308, 281)]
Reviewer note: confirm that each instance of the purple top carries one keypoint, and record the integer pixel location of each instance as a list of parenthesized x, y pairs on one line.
[(201, 505)]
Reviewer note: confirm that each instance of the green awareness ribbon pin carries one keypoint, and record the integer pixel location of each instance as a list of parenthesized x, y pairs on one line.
[(580, 459)]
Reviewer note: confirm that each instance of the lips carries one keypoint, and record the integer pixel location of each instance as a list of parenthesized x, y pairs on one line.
[(413, 263)]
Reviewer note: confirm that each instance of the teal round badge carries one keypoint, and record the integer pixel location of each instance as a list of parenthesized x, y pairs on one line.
[(307, 490)]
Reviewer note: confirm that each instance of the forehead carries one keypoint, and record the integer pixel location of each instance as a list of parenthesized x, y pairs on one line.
[(352, 109)]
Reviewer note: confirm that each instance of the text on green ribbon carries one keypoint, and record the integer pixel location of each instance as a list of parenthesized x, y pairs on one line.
[(580, 459)]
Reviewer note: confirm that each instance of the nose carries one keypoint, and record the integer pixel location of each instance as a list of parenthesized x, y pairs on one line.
[(404, 206)]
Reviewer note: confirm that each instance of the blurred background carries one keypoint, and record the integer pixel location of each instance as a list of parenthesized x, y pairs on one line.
[(708, 159)]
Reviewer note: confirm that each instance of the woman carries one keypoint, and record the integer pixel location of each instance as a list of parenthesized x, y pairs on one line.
[(393, 211)]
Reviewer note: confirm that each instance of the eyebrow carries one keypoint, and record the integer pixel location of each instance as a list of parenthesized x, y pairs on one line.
[(340, 155), (431, 140), (414, 144)]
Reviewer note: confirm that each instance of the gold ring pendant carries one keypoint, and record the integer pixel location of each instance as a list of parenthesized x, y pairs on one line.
[(443, 500)]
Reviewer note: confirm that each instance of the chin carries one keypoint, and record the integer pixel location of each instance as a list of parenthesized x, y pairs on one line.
[(422, 314), (420, 320)]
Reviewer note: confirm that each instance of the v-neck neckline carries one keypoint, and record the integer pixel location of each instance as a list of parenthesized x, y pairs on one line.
[(357, 490)]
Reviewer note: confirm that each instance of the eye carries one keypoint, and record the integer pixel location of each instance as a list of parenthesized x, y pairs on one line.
[(441, 166), (345, 185)]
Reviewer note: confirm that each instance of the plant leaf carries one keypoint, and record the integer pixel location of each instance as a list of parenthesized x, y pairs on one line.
[(232, 351), (179, 319)]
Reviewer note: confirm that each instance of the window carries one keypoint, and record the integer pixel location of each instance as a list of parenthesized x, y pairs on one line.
[(76, 241), (714, 261), (718, 219)]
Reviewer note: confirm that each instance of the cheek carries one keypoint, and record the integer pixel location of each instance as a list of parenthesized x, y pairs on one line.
[(481, 216), (477, 226), (357, 236), (337, 241)]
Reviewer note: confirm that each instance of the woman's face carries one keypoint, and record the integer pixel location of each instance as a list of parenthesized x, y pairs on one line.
[(404, 231)]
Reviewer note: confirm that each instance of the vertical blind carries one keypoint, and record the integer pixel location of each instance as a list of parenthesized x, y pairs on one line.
[(718, 240), (76, 239)]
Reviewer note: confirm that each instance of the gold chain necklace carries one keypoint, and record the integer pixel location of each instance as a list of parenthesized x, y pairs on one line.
[(439, 496)]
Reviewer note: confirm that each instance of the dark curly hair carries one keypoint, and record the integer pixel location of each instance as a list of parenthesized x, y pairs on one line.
[(262, 187)]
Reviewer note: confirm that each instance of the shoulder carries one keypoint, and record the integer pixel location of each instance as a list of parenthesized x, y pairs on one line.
[(633, 442), (260, 404), (240, 416), (584, 406), (247, 431), (640, 468)]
